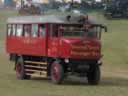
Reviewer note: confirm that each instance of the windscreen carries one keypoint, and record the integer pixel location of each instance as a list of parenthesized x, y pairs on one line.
[(78, 31), (72, 31)]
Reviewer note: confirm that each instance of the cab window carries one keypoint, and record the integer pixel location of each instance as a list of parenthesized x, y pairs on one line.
[(95, 32), (42, 30), (27, 30), (19, 30), (54, 31), (34, 30), (92, 32), (9, 31), (13, 30)]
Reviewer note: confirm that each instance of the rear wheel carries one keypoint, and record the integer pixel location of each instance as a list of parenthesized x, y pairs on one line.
[(57, 73), (93, 75), (20, 70)]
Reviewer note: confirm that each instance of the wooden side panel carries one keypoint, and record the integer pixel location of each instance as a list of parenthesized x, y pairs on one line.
[(26, 45)]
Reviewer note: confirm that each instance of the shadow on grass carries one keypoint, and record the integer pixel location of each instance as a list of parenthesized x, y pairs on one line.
[(105, 81), (114, 81)]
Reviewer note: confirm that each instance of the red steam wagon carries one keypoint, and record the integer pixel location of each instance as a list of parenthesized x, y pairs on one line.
[(55, 46)]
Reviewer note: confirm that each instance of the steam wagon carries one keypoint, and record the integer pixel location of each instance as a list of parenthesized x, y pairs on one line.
[(55, 46), (116, 8)]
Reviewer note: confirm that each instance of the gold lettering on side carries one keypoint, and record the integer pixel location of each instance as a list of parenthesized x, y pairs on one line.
[(26, 41), (84, 53), (80, 47), (29, 41), (95, 54), (85, 47), (93, 47), (80, 53)]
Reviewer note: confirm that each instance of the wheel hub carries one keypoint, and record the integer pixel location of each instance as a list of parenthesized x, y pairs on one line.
[(55, 72)]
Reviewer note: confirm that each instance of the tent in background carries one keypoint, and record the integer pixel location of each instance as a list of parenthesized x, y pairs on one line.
[(9, 3)]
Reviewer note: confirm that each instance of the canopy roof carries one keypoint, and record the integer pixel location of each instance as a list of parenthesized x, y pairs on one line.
[(62, 19)]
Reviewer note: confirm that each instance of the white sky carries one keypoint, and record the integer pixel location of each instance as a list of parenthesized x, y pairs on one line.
[(98, 0)]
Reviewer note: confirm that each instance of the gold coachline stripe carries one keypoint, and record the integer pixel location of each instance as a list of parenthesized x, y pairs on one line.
[(34, 62), (42, 67)]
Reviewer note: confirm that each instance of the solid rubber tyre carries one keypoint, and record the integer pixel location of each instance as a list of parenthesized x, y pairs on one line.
[(57, 73), (20, 70), (93, 75)]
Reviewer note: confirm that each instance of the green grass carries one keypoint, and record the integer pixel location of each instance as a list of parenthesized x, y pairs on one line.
[(114, 70)]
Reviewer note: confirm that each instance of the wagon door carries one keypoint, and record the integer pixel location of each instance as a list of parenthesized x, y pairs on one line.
[(53, 41), (38, 39)]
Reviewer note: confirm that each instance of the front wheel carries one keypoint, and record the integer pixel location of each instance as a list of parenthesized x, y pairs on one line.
[(93, 75), (57, 73), (20, 70)]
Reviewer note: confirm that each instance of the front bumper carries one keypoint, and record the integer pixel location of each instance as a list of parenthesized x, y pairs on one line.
[(83, 65)]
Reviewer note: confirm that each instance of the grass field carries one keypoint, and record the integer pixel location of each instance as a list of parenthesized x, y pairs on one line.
[(114, 70)]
